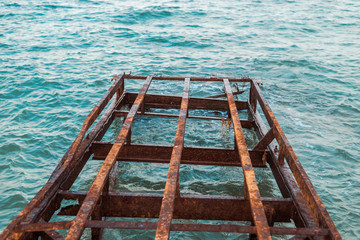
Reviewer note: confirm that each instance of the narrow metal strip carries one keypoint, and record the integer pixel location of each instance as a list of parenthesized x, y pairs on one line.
[(251, 187), (171, 187), (175, 227)]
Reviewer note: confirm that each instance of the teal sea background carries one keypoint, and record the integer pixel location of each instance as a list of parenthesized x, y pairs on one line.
[(57, 59)]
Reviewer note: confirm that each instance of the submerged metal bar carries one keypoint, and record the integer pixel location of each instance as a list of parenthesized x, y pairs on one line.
[(175, 227), (172, 182), (251, 188), (311, 196), (173, 102), (89, 203), (122, 113), (190, 155), (223, 208), (224, 94)]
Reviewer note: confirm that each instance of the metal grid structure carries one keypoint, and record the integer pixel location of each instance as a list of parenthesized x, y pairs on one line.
[(299, 203)]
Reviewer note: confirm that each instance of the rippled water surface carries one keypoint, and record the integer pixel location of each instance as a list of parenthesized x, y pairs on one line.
[(57, 59)]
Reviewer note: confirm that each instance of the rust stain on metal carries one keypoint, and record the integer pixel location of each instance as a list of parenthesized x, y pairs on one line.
[(299, 203), (172, 182), (251, 188)]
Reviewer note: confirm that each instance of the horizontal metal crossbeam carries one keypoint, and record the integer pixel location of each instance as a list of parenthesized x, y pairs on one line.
[(191, 155)]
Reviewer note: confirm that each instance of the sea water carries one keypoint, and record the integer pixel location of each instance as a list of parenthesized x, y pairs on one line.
[(57, 59)]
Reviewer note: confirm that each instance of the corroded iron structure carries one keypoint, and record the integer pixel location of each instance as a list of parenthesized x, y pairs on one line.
[(299, 204)]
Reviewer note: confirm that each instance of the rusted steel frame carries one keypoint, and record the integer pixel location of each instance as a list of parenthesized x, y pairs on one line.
[(245, 123), (190, 155), (78, 224), (177, 227), (47, 192), (251, 189), (148, 205), (311, 196), (202, 79), (173, 102), (172, 181), (284, 179), (224, 94), (265, 140)]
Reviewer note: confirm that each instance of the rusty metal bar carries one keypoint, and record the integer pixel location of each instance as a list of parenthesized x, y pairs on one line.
[(224, 94), (251, 188), (190, 155), (175, 227), (311, 196), (89, 203), (173, 102), (201, 79), (171, 186), (148, 205), (122, 113)]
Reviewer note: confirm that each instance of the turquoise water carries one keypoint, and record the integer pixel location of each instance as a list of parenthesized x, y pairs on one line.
[(57, 59)]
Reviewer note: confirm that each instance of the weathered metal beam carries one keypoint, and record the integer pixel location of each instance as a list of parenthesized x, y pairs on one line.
[(251, 189), (244, 123), (224, 94), (311, 196), (172, 181), (91, 199), (173, 102), (211, 207), (190, 155), (177, 227), (202, 79)]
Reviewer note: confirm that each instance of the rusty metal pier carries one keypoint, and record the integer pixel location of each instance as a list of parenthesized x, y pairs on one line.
[(300, 204)]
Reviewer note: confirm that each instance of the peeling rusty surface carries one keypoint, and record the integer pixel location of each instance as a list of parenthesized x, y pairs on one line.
[(251, 188), (171, 186), (300, 203)]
